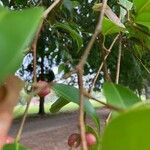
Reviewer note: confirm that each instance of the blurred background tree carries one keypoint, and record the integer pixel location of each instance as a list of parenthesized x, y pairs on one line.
[(64, 37)]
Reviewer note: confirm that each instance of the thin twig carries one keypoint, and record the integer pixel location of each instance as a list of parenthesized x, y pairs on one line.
[(118, 71), (119, 60), (101, 66), (140, 61), (88, 95), (96, 33), (34, 48), (106, 104), (47, 11), (81, 111), (80, 70), (67, 75), (18, 136), (34, 45)]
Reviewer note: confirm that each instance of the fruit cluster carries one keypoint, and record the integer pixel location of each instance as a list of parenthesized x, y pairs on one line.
[(74, 140)]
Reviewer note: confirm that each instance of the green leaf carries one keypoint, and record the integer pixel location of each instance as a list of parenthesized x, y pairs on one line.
[(63, 67), (89, 129), (129, 131), (71, 94), (68, 4), (119, 96), (110, 14), (142, 10), (144, 19), (75, 4), (127, 4), (109, 27), (56, 106), (73, 33), (14, 146), (140, 35), (16, 33), (142, 5), (21, 2)]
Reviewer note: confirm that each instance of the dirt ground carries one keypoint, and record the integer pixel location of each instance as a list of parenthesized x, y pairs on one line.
[(50, 132)]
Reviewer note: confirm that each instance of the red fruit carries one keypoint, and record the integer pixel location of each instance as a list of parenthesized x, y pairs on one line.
[(90, 139), (74, 140), (46, 90)]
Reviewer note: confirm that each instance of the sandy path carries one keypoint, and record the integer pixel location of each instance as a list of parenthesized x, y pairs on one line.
[(50, 132)]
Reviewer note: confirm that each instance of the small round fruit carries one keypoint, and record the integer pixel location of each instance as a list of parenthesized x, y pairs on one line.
[(45, 91), (74, 140), (90, 139)]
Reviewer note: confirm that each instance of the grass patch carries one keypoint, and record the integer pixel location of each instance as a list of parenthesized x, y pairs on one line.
[(19, 110)]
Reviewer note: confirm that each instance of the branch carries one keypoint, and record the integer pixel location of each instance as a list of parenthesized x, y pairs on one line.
[(140, 61), (49, 9), (67, 75), (34, 48), (119, 60), (19, 133), (97, 31), (105, 104), (81, 110), (118, 70), (101, 66), (80, 70)]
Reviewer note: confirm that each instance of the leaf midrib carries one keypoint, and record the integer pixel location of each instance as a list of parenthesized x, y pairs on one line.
[(120, 97), (145, 5), (64, 95)]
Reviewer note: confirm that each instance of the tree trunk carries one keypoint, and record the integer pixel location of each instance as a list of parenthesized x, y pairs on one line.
[(41, 104), (147, 91)]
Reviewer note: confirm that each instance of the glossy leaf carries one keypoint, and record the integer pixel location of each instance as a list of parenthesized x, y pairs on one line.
[(142, 6), (16, 33), (127, 4), (129, 131), (71, 94), (113, 17), (63, 67), (143, 19), (109, 27), (142, 10), (140, 37), (73, 33), (56, 106), (119, 96), (110, 14), (14, 146)]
